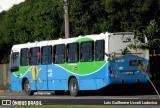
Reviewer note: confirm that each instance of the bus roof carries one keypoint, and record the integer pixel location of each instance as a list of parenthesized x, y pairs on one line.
[(93, 37)]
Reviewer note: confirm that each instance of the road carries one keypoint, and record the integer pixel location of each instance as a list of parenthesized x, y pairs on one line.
[(93, 97), (49, 99), (47, 95)]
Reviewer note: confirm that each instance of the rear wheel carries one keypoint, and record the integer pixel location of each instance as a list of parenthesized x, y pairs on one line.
[(26, 87), (73, 87)]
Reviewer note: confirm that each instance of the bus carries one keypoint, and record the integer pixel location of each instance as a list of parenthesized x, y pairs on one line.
[(76, 64)]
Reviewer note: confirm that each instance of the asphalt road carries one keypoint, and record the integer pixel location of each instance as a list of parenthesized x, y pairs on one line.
[(92, 97), (87, 95), (78, 97), (127, 92)]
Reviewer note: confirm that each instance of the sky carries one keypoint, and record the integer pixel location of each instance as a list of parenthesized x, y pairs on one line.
[(6, 4)]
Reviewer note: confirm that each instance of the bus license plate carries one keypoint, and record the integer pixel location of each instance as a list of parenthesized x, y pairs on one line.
[(129, 72)]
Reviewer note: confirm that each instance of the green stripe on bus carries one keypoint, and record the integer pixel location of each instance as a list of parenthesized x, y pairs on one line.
[(84, 40), (83, 68)]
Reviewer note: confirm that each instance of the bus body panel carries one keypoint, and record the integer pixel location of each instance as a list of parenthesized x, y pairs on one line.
[(41, 80), (92, 75), (57, 78)]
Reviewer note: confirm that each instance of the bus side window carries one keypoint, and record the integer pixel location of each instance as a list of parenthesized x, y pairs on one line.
[(99, 50), (46, 55), (24, 57), (34, 56), (59, 54), (72, 52), (87, 51), (14, 61)]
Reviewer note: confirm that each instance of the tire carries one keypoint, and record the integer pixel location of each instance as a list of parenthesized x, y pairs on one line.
[(26, 87), (73, 87)]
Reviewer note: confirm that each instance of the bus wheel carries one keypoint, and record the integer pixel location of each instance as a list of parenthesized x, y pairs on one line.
[(26, 87), (73, 87)]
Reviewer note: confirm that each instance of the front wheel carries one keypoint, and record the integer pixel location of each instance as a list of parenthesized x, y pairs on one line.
[(73, 87), (26, 87)]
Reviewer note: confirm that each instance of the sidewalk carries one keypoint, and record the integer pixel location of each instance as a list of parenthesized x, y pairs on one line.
[(9, 92)]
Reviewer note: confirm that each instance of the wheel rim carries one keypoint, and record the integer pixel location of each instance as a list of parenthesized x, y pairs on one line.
[(73, 88), (27, 87)]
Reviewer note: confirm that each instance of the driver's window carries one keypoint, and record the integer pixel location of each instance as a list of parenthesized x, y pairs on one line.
[(14, 61)]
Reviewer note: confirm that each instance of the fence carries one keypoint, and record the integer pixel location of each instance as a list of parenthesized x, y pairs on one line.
[(155, 65), (4, 76)]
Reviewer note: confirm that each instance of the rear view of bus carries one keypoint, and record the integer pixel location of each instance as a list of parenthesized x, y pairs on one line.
[(129, 68)]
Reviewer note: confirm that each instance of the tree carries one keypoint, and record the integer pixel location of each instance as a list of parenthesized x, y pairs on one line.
[(36, 20)]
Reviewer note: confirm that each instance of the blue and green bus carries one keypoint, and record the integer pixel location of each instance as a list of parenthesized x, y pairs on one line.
[(76, 64)]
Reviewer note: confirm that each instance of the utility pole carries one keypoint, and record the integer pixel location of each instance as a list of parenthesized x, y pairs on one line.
[(66, 18)]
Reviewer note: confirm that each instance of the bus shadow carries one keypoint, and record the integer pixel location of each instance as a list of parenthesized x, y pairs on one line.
[(125, 90), (118, 90)]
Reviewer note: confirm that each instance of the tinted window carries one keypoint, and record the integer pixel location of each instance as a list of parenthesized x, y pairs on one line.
[(34, 56), (24, 57), (87, 51), (15, 61), (73, 52), (59, 53), (99, 50), (46, 55)]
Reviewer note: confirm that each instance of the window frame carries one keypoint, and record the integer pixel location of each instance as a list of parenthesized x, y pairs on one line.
[(46, 55), (103, 50), (27, 57), (12, 67), (77, 52), (55, 54), (93, 46), (37, 58)]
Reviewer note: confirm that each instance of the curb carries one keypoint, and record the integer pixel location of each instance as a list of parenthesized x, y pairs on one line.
[(42, 93), (36, 93)]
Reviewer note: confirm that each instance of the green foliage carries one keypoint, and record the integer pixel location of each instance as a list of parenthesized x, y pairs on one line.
[(112, 55), (151, 31), (125, 51), (36, 20)]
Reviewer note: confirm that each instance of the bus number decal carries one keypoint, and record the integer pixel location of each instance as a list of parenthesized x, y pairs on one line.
[(49, 72)]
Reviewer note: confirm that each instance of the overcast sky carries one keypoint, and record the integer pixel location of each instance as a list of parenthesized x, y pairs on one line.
[(6, 4)]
